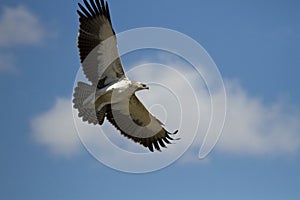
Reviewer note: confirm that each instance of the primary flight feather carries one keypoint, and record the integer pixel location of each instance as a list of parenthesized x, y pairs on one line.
[(111, 94)]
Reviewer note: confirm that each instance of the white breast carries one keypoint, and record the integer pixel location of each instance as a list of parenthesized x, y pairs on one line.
[(121, 85)]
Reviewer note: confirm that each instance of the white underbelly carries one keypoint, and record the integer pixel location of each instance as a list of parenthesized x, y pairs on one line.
[(113, 94)]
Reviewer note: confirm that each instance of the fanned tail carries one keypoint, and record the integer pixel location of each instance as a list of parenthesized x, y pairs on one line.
[(82, 99)]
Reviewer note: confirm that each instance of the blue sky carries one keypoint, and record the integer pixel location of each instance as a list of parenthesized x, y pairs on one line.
[(255, 45)]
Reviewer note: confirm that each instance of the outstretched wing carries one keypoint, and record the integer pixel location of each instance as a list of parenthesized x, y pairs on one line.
[(98, 45), (134, 121)]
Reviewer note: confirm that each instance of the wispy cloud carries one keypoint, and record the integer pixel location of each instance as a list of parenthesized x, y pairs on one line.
[(19, 26), (251, 128)]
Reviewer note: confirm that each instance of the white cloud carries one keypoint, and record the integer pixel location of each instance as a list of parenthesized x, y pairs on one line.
[(19, 26), (251, 127), (55, 129), (255, 128)]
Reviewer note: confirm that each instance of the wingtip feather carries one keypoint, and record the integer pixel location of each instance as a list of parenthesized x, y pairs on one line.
[(89, 7), (82, 8)]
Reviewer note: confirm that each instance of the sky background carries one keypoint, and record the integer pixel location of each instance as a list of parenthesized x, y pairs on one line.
[(255, 45)]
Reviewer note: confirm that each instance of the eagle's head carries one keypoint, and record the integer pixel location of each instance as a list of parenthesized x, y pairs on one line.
[(140, 86)]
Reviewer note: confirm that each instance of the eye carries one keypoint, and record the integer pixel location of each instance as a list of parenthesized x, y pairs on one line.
[(144, 85)]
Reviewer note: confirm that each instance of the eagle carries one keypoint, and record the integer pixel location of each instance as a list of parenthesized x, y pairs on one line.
[(111, 95)]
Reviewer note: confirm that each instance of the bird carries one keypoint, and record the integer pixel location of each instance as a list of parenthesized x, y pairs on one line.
[(110, 94)]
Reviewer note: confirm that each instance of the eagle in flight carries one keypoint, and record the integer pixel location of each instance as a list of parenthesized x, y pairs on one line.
[(111, 94)]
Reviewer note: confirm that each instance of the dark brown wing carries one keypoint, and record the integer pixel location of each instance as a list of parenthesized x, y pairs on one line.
[(97, 44), (135, 122)]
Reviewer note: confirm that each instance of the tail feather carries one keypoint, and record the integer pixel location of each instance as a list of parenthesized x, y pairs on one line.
[(88, 113)]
